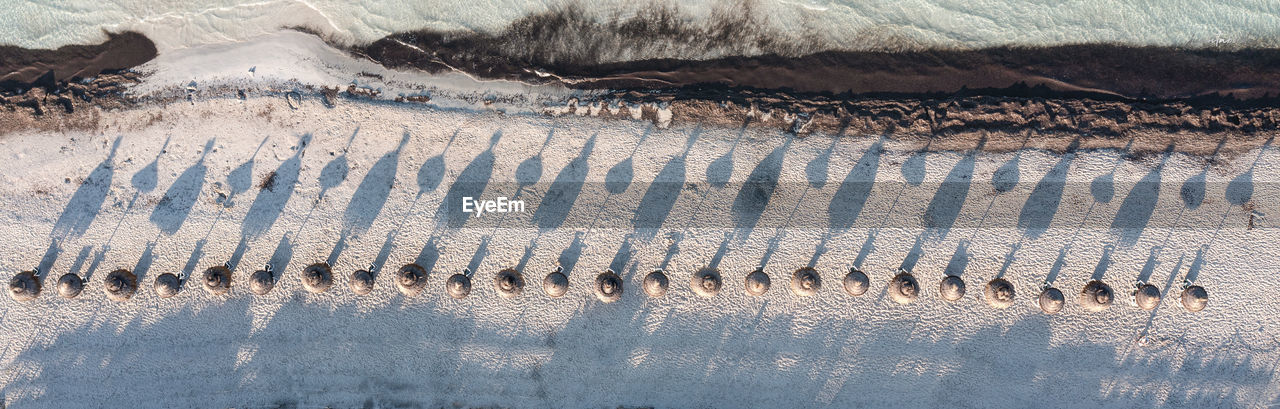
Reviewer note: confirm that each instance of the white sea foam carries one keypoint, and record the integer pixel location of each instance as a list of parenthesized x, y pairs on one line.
[(847, 23)]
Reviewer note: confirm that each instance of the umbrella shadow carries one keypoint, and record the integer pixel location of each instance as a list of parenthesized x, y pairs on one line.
[(429, 255), (471, 182), (720, 170), (620, 176), (370, 197), (175, 206), (1043, 202), (959, 260), (1140, 204), (1240, 189), (563, 193), (947, 201), (240, 179), (149, 176), (569, 257), (758, 189), (1193, 189), (431, 173), (661, 195), (1104, 263), (273, 193), (851, 197), (86, 202)]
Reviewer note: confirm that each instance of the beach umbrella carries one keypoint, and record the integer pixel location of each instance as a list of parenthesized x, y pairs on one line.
[(1051, 300), (951, 288), (903, 288), (608, 286), (555, 284), (120, 285), (706, 282), (1146, 296), (509, 282), (655, 284), (805, 282), (458, 285), (1096, 296), (317, 278), (999, 293), (856, 282), (362, 282), (757, 283), (1194, 298), (70, 285), (262, 281), (167, 285), (411, 279), (217, 280), (24, 286)]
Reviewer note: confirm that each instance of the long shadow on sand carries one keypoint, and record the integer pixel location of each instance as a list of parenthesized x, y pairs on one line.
[(369, 199), (471, 182), (758, 189), (852, 195), (174, 207), (86, 202), (1137, 208), (1042, 204), (658, 200), (273, 193), (564, 190), (945, 206)]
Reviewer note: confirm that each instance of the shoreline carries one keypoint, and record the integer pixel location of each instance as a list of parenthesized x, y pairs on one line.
[(1049, 114)]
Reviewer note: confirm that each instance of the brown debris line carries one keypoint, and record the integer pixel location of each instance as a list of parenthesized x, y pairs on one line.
[(957, 124), (1100, 71), (23, 68), (659, 49)]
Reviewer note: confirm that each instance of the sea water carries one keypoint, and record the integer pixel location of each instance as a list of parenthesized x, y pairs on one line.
[(848, 24)]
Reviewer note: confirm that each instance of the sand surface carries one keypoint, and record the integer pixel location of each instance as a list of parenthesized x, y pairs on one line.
[(254, 181)]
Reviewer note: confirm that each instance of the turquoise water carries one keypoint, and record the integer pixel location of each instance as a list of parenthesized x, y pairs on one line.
[(844, 24)]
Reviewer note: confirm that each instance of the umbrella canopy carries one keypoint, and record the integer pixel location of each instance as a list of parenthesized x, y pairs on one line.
[(120, 285), (1146, 297), (951, 288), (458, 286), (167, 285), (999, 293), (1195, 298), (24, 286), (262, 281), (555, 284), (608, 287), (903, 288), (317, 278), (856, 282), (655, 284), (217, 280), (805, 282), (509, 282), (362, 282), (1051, 300), (706, 282), (70, 285), (411, 279), (757, 283), (1096, 296)]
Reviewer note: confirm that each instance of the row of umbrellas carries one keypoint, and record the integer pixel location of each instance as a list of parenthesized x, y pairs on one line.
[(410, 280)]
